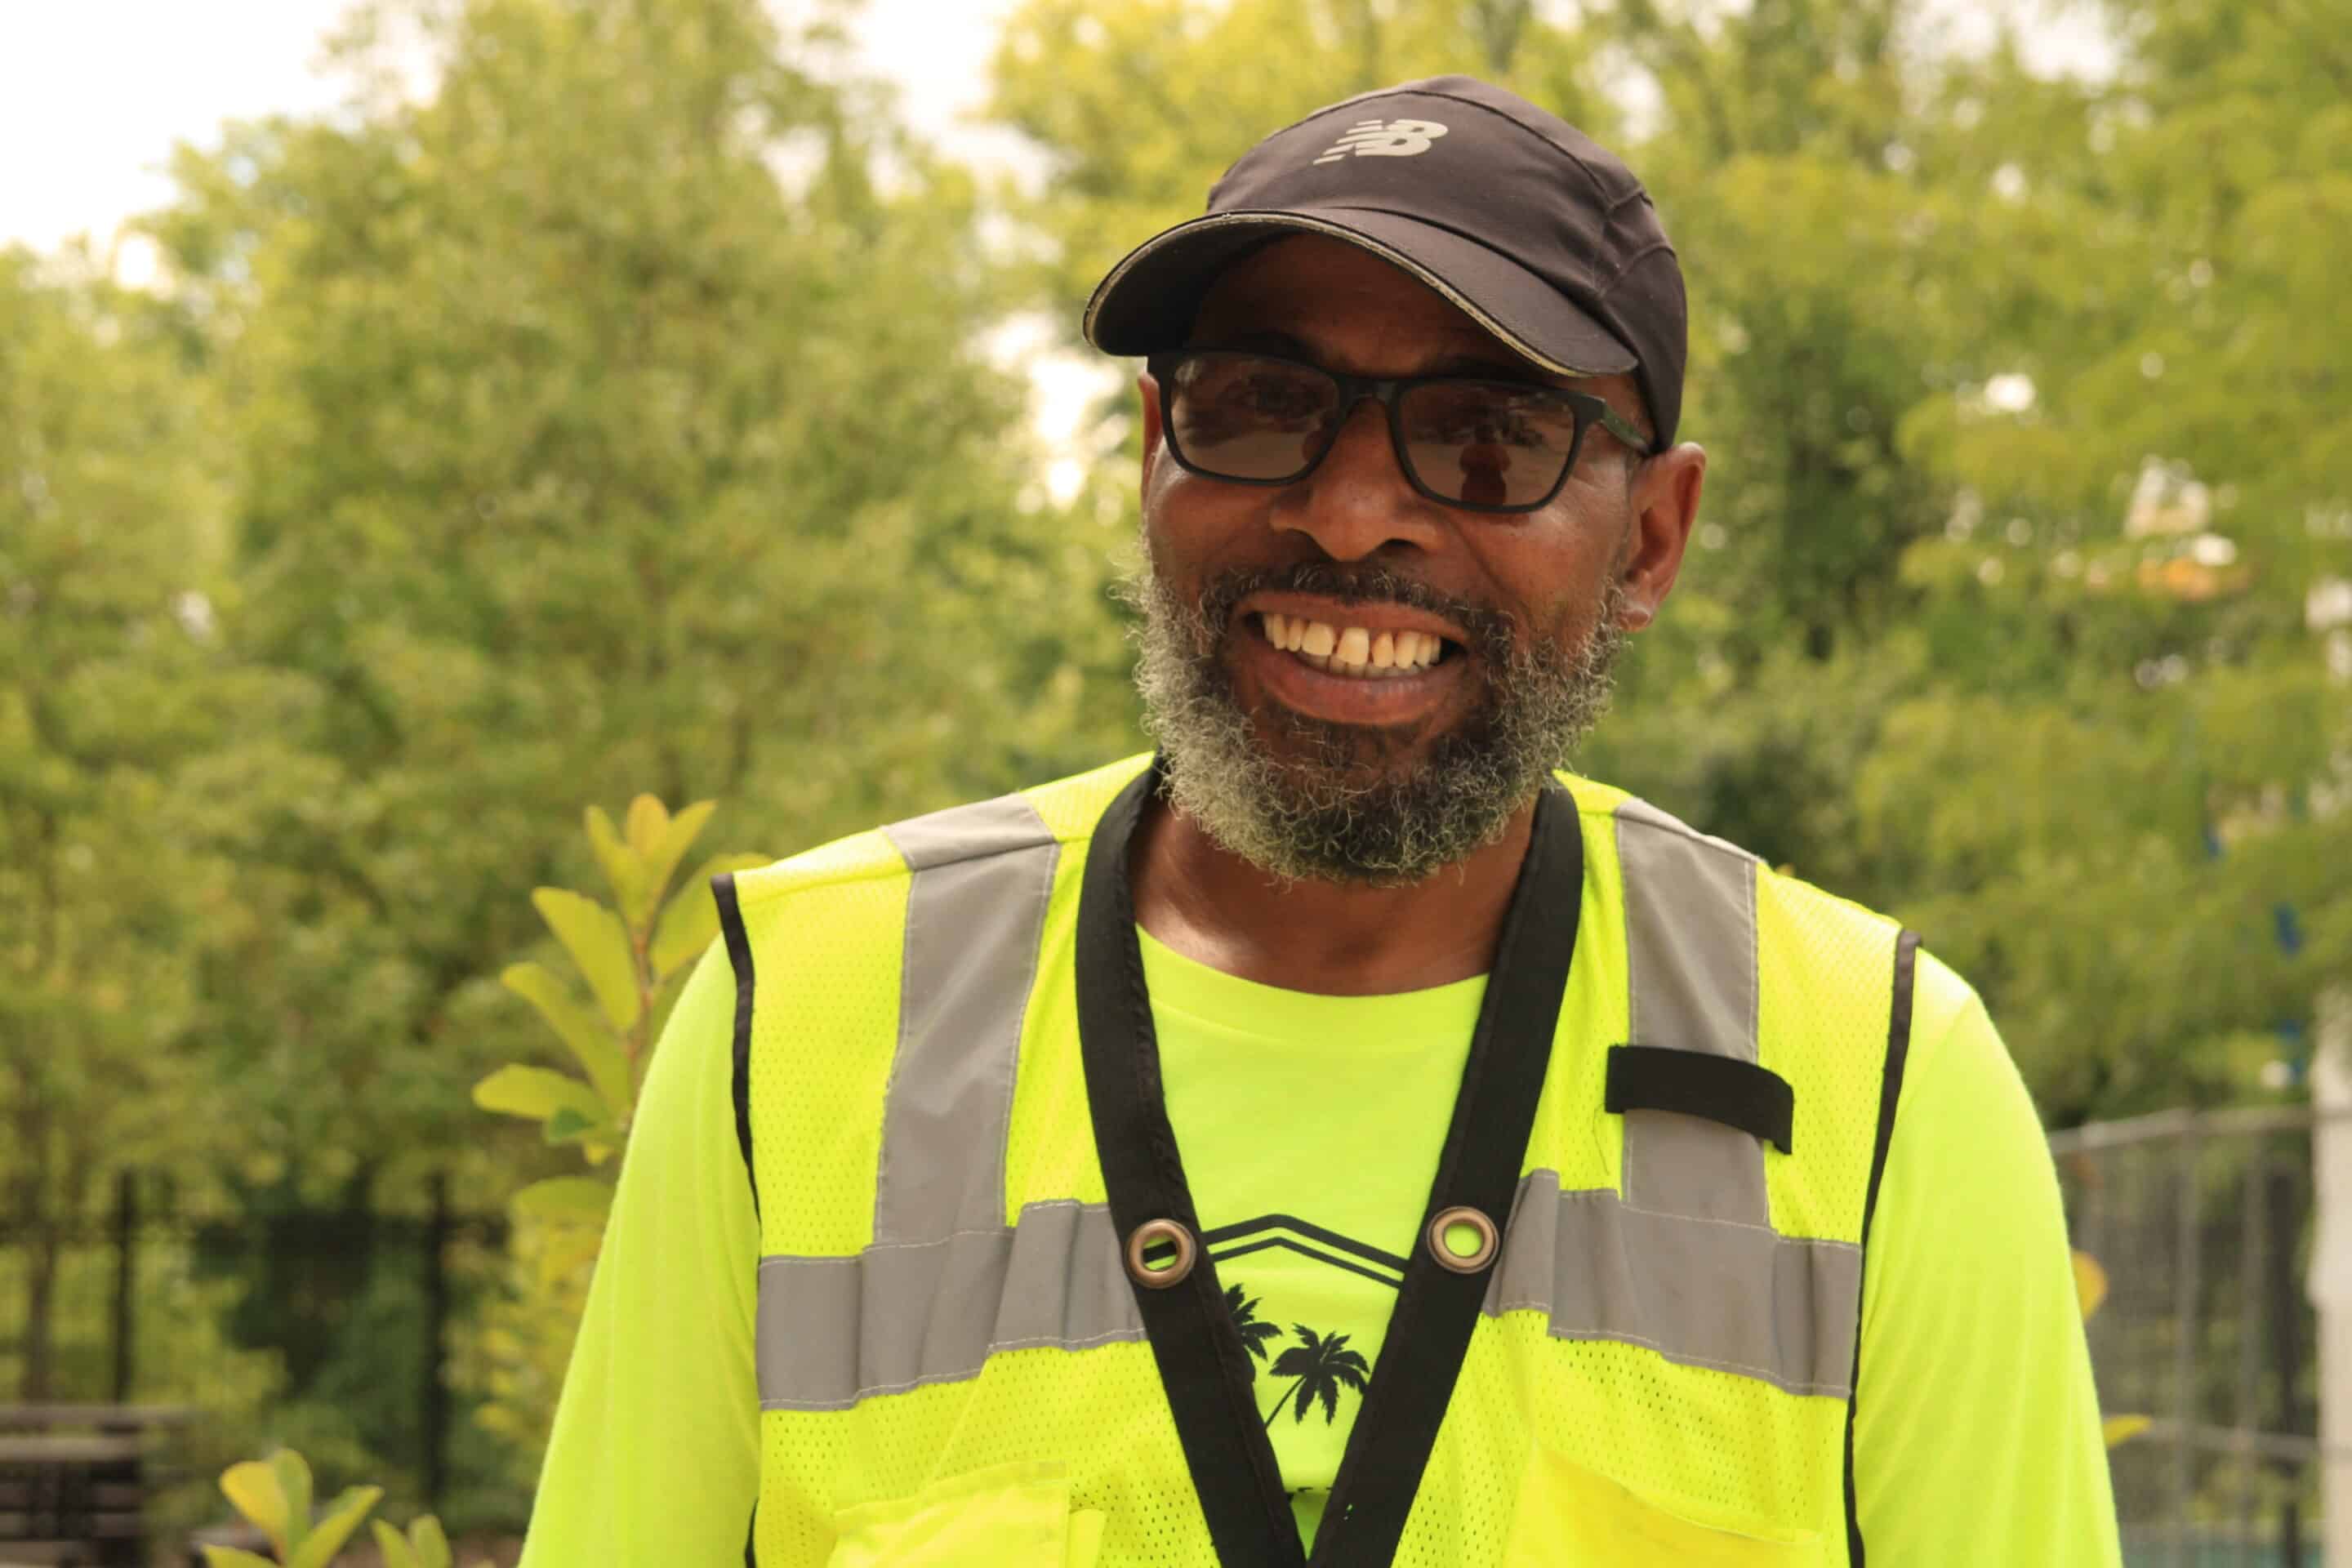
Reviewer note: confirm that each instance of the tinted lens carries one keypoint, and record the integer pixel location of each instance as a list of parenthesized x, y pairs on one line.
[(1250, 418), (1488, 443)]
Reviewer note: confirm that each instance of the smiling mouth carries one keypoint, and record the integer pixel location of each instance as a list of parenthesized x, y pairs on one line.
[(1356, 653)]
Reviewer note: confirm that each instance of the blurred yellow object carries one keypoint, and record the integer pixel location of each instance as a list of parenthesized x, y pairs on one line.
[(2091, 1289)]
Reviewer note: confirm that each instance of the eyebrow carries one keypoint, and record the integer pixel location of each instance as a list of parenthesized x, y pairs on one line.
[(1485, 365)]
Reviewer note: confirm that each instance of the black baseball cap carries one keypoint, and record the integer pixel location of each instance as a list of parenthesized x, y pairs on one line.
[(1540, 235)]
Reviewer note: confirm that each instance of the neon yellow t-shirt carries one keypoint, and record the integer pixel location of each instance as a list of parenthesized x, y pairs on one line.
[(1977, 1434), (1309, 1237)]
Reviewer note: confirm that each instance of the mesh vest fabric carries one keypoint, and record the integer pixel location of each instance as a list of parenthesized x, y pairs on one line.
[(1720, 1445)]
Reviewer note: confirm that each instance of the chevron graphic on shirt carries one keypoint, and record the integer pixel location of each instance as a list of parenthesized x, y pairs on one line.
[(1290, 1232)]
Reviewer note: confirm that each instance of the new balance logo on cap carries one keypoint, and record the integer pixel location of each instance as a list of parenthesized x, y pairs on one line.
[(1384, 139)]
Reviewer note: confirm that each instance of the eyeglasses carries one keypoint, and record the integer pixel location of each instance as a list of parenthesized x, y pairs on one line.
[(1487, 446)]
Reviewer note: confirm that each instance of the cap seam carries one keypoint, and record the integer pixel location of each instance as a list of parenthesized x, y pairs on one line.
[(1617, 276)]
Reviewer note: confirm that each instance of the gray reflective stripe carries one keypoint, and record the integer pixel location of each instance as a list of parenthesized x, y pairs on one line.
[(1701, 1292), (1690, 955), (975, 914), (834, 1330)]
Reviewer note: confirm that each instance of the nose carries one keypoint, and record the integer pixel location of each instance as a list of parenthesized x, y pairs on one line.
[(1357, 501)]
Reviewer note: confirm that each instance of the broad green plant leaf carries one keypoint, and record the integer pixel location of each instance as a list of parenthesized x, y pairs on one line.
[(592, 1044), (393, 1546), (318, 1551), (565, 1198), (425, 1538), (253, 1489), (539, 1093), (676, 840), (599, 944), (569, 1125), (633, 885), (234, 1557), (649, 820), (691, 917), (293, 1473)]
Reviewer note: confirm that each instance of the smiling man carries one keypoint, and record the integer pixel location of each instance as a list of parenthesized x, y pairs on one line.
[(1341, 1134)]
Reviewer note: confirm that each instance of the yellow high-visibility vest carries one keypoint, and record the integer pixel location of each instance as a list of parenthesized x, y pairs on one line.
[(987, 1333)]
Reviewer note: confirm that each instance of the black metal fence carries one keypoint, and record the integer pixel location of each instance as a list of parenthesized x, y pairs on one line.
[(329, 1329), (2203, 1226)]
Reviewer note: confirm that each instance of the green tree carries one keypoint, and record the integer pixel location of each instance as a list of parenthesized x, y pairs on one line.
[(114, 684)]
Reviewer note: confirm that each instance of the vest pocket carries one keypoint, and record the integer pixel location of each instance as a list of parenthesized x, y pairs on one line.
[(1008, 1516), (1570, 1517)]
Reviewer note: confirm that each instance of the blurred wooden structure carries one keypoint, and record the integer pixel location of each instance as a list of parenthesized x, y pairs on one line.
[(74, 1483)]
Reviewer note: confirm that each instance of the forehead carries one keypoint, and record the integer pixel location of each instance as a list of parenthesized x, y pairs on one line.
[(1350, 310)]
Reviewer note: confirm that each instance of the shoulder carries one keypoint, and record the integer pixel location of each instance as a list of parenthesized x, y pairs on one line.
[(1060, 812), (1634, 838)]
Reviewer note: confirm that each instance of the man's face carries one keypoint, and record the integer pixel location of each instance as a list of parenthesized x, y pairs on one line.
[(1301, 766)]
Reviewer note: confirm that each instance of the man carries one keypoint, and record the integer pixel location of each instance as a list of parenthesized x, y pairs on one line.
[(1338, 1133)]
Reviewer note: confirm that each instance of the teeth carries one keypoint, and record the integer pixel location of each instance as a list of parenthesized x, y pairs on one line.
[(1351, 650)]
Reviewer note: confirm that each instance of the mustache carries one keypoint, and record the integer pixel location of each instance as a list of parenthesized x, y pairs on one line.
[(1490, 630)]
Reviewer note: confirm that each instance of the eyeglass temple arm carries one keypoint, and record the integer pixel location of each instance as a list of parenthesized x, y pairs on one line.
[(1617, 424)]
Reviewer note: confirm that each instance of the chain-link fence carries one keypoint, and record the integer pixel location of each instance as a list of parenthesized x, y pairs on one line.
[(2203, 1224)]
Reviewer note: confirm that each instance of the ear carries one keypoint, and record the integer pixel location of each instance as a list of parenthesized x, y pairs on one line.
[(1148, 391), (1664, 503)]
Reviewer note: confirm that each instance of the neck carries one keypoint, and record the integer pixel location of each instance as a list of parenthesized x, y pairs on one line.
[(1336, 939)]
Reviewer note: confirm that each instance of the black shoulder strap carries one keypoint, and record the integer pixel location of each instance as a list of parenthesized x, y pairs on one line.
[(1890, 1092), (739, 953)]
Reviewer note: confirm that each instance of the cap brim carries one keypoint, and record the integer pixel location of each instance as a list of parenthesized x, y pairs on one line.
[(1147, 302)]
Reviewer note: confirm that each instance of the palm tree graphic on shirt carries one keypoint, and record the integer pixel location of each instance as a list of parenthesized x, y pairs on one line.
[(1254, 1333), (1320, 1364)]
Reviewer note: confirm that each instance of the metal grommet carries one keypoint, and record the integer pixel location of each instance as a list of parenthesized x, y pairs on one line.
[(1488, 1242), (1150, 1233)]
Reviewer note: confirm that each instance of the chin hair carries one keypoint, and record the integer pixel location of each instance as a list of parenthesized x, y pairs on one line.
[(1336, 807)]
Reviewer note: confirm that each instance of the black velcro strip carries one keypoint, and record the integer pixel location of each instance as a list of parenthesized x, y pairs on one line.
[(1746, 1095)]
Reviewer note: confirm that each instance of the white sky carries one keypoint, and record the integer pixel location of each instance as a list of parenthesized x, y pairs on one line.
[(94, 92)]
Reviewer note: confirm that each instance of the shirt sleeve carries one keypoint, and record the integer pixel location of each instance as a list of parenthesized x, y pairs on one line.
[(654, 1459), (1977, 1430)]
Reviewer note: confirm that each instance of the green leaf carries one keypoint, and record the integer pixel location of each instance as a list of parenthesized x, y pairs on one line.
[(392, 1545), (634, 886), (253, 1489), (691, 917), (676, 838), (568, 1123), (539, 1093), (234, 1557), (649, 820), (293, 1473), (432, 1546), (567, 1198), (342, 1517), (592, 1046), (599, 944)]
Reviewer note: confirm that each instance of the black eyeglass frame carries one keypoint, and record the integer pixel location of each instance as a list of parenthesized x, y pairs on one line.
[(1587, 409)]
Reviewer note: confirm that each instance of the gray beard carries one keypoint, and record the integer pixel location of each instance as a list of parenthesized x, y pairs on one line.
[(1334, 806)]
